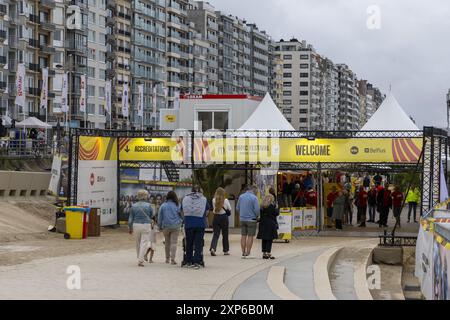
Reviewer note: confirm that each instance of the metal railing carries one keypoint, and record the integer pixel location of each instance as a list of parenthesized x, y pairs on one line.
[(26, 148)]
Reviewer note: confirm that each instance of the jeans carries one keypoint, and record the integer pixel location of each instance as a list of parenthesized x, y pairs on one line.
[(267, 246), (362, 210), (372, 210), (220, 224), (412, 207), (194, 245), (170, 243)]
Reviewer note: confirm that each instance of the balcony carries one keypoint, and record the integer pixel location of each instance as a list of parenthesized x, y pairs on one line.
[(110, 21), (3, 10), (34, 19), (34, 67), (110, 73), (45, 25), (111, 4), (33, 43), (110, 38), (110, 55), (47, 3), (34, 92), (47, 49), (122, 49), (124, 32), (124, 16)]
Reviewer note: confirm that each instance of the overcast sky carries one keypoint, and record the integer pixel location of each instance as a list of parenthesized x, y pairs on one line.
[(410, 50)]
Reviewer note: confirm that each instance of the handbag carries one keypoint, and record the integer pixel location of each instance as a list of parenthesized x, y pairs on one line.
[(227, 211)]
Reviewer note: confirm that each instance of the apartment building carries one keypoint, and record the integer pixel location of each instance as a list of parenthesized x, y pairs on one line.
[(205, 21), (4, 48), (348, 112), (370, 98), (148, 58), (200, 61)]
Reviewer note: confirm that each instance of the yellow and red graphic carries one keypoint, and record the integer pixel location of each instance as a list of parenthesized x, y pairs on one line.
[(153, 149), (97, 148), (405, 150)]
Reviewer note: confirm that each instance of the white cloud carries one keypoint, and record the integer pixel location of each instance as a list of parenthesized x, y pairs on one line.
[(411, 51)]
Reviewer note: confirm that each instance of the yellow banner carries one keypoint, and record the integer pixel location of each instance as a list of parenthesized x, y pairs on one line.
[(97, 148), (298, 150), (152, 149)]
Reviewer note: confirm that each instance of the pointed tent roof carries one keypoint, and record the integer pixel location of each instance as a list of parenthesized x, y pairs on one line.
[(33, 122), (267, 116), (390, 116)]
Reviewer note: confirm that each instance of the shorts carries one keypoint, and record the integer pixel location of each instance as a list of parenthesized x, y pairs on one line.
[(248, 228)]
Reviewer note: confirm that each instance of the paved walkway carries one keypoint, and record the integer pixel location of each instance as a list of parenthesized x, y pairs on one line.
[(114, 274)]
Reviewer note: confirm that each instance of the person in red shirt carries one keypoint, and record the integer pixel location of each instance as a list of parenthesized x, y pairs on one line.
[(330, 199), (397, 203), (362, 206), (311, 197)]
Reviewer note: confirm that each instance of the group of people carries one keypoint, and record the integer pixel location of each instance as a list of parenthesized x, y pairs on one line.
[(299, 193), (191, 215), (375, 199)]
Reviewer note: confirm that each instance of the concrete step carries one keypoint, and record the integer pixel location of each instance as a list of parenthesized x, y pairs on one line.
[(390, 286)]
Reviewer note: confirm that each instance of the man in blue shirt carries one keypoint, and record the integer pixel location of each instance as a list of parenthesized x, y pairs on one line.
[(195, 208), (248, 207)]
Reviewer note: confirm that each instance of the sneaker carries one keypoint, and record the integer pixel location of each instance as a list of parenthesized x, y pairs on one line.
[(140, 264), (243, 256), (226, 253), (249, 257), (196, 266), (213, 253), (173, 262), (265, 256), (167, 260), (271, 257)]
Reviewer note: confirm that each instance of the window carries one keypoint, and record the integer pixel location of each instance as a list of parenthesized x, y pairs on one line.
[(287, 84), (287, 102), (213, 120), (287, 66), (91, 108), (287, 57), (304, 56), (91, 91), (287, 111), (91, 35), (304, 66), (287, 75), (304, 84), (91, 17), (57, 35), (303, 111), (91, 72), (303, 93), (304, 75), (304, 102), (287, 93), (303, 120)]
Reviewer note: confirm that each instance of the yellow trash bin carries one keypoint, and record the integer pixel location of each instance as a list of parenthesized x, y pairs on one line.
[(76, 222)]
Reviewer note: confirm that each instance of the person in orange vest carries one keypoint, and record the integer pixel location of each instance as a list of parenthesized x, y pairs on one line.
[(361, 204), (311, 197)]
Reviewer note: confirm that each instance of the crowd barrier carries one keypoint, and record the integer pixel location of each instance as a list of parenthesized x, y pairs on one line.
[(15, 184)]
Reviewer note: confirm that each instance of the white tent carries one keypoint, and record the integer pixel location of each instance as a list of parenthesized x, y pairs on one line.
[(390, 116), (33, 122), (267, 117)]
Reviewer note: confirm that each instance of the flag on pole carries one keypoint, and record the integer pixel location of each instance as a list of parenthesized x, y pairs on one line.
[(108, 96), (125, 101), (154, 100), (141, 100), (176, 102), (65, 84), (83, 93), (20, 85), (44, 91)]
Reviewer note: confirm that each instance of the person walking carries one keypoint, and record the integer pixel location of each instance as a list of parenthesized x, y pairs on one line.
[(311, 198), (170, 222), (222, 210), (362, 206), (248, 207), (413, 199), (194, 209), (397, 203), (339, 204), (268, 225), (384, 203), (372, 202), (139, 222)]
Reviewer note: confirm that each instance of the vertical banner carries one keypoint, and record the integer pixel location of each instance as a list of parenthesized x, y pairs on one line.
[(154, 102), (56, 175), (44, 90), (64, 90), (141, 101), (125, 111), (83, 93), (108, 96), (20, 85), (176, 102)]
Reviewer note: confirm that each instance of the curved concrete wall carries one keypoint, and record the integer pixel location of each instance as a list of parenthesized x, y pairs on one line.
[(23, 184)]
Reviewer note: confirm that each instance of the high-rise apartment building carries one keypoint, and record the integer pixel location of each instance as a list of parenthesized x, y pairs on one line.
[(4, 48), (348, 112)]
